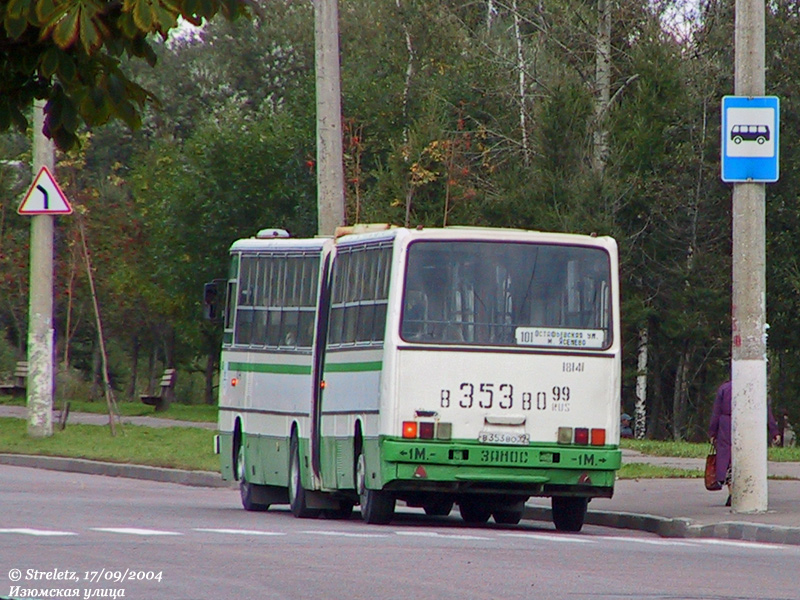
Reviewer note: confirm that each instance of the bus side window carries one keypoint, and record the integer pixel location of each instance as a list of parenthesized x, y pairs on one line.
[(415, 315), (213, 300), (229, 304)]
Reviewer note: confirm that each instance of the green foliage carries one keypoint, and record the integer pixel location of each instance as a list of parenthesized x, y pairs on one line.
[(69, 53), (451, 115)]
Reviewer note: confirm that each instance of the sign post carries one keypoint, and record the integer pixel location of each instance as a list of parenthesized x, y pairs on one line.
[(750, 159), (43, 201)]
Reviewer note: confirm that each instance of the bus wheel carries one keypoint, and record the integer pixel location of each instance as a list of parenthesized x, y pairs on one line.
[(438, 508), (569, 512), (474, 511), (510, 514), (377, 507), (247, 491), (297, 494)]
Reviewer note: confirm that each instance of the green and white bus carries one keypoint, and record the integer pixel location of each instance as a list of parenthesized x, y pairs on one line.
[(437, 367)]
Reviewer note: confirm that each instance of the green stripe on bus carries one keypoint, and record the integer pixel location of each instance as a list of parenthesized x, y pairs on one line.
[(356, 367), (270, 368)]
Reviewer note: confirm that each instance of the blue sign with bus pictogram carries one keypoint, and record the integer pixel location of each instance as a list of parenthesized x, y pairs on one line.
[(750, 134)]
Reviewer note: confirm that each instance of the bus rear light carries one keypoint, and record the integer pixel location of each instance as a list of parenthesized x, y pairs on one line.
[(426, 430), (234, 381), (565, 435), (420, 472), (598, 437), (582, 436)]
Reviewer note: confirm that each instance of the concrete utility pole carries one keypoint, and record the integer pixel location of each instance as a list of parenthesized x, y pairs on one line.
[(40, 316), (330, 160), (749, 344)]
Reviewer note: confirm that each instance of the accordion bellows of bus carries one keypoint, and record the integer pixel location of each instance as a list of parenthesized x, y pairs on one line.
[(468, 367)]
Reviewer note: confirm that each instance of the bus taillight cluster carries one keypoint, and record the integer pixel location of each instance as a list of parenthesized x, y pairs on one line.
[(582, 436), (427, 430)]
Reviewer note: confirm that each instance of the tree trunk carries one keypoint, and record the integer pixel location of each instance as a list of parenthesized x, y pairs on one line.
[(656, 421), (602, 85), (679, 399), (211, 368), (131, 392), (640, 413), (108, 392), (151, 368), (409, 73), (521, 82)]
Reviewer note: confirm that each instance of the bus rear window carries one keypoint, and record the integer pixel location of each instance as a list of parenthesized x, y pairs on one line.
[(507, 294)]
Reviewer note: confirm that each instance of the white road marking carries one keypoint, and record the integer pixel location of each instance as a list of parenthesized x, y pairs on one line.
[(134, 531), (240, 531), (744, 544), (550, 538), (347, 534), (434, 534), (37, 532), (652, 541)]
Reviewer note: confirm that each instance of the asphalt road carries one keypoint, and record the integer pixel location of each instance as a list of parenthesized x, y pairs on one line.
[(115, 537)]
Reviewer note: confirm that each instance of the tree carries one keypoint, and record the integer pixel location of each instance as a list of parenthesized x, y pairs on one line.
[(70, 53)]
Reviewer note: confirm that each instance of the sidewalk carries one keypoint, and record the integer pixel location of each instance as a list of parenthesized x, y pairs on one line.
[(684, 508), (680, 508), (21, 412)]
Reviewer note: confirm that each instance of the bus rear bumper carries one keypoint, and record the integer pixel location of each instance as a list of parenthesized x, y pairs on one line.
[(468, 467)]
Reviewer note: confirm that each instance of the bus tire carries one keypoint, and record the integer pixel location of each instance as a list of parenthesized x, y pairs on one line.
[(377, 506), (247, 491), (297, 493), (438, 508), (474, 511), (569, 512), (509, 514)]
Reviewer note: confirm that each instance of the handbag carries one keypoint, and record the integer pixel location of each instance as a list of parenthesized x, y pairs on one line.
[(712, 485)]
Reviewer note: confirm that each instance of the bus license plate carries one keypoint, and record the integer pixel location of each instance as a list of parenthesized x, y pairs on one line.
[(493, 437)]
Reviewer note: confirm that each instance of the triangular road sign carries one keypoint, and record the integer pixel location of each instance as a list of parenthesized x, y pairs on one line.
[(45, 197)]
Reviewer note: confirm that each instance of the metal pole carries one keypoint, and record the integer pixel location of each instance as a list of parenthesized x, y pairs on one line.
[(749, 344), (40, 316), (330, 159)]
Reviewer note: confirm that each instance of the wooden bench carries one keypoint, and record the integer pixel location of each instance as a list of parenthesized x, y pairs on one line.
[(166, 391), (19, 383)]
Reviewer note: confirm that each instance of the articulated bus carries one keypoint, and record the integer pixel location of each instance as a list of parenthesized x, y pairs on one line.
[(461, 366)]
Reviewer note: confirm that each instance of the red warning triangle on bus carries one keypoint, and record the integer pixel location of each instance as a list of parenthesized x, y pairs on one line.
[(45, 197)]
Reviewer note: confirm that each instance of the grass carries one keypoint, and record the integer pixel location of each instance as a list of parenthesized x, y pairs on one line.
[(695, 450), (174, 447), (646, 471), (181, 412), (192, 448)]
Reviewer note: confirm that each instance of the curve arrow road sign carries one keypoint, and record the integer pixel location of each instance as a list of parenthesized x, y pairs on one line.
[(45, 197)]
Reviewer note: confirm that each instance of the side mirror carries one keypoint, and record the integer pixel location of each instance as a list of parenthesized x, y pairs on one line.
[(213, 297)]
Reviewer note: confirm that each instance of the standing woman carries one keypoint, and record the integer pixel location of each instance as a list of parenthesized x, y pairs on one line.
[(720, 432)]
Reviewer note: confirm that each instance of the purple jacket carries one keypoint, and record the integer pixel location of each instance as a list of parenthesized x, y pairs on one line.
[(720, 428)]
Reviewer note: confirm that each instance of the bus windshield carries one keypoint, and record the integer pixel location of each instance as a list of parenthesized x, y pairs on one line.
[(507, 294)]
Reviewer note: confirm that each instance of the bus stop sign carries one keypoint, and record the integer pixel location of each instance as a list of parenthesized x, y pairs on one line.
[(750, 139)]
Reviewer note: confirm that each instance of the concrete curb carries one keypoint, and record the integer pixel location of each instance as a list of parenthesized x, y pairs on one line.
[(679, 528), (93, 467), (662, 526)]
